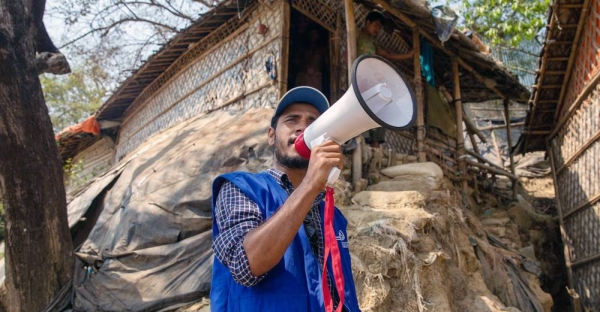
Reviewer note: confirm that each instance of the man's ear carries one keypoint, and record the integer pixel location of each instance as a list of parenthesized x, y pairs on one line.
[(271, 134)]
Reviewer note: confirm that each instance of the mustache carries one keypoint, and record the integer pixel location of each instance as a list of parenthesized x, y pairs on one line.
[(290, 141)]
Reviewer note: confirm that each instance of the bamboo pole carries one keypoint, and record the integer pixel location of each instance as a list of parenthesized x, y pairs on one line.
[(440, 145), (591, 86), (474, 128), (460, 144), (449, 141), (334, 67), (572, 56), (590, 202), (435, 42), (509, 138), (285, 49), (490, 169), (563, 233), (540, 132), (579, 151), (357, 161), (483, 160), (351, 41), (351, 36), (440, 154), (474, 143), (586, 260), (419, 95), (501, 126), (495, 145), (480, 78), (444, 160), (470, 126)]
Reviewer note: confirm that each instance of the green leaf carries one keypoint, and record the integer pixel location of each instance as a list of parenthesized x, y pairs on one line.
[(507, 22), (74, 97)]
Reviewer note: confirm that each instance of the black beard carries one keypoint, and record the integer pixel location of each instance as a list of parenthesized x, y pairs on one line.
[(291, 162)]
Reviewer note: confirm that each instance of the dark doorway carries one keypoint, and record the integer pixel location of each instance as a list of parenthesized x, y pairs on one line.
[(309, 54)]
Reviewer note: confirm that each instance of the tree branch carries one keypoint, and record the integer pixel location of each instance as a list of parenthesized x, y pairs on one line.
[(171, 10), (106, 29)]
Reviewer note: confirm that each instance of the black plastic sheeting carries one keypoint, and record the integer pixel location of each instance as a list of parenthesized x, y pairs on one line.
[(150, 242)]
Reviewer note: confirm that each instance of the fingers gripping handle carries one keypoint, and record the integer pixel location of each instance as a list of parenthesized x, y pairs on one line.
[(335, 172)]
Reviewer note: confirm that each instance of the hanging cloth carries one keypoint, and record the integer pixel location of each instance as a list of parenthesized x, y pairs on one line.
[(427, 63)]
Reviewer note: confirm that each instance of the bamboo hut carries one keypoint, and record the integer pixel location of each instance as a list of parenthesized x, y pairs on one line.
[(564, 121), (240, 57)]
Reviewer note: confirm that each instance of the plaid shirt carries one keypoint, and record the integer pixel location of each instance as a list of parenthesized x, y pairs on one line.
[(237, 215)]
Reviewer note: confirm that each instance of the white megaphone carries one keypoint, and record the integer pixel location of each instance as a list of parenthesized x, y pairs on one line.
[(379, 96)]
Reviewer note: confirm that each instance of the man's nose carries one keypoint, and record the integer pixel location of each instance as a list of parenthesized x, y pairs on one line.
[(302, 126)]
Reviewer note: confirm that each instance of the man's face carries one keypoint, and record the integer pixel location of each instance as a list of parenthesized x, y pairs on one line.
[(373, 27), (290, 125)]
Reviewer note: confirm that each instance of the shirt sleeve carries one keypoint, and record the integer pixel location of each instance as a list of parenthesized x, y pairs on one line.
[(236, 215)]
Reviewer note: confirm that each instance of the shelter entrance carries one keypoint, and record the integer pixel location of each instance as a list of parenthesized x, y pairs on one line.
[(309, 63)]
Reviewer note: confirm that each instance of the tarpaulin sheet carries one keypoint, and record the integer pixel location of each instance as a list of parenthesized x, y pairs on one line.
[(89, 125), (151, 244)]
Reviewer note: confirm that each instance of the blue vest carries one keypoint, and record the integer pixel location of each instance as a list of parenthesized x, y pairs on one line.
[(294, 284)]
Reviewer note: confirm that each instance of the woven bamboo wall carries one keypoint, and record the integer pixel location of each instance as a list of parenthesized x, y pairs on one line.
[(225, 70), (576, 153), (91, 162), (587, 61)]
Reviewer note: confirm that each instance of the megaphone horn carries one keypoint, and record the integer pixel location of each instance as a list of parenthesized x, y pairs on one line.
[(379, 96)]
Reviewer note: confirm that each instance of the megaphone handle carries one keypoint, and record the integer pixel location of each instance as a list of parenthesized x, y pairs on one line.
[(334, 174)]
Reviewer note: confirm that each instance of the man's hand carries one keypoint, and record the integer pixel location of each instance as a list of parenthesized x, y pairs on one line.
[(323, 158), (266, 244), (395, 56)]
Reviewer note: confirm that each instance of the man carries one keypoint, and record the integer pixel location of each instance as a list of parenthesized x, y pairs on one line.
[(267, 227), (365, 44)]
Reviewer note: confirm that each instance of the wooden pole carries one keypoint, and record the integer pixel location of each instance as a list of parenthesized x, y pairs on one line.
[(563, 233), (473, 142), (470, 126), (483, 160), (572, 56), (351, 41), (285, 49), (490, 168), (496, 148), (501, 126), (460, 142), (334, 67), (474, 128), (509, 138), (419, 94), (351, 36), (436, 42)]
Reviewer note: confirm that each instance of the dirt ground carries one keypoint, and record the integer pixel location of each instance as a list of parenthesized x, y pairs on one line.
[(432, 253)]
